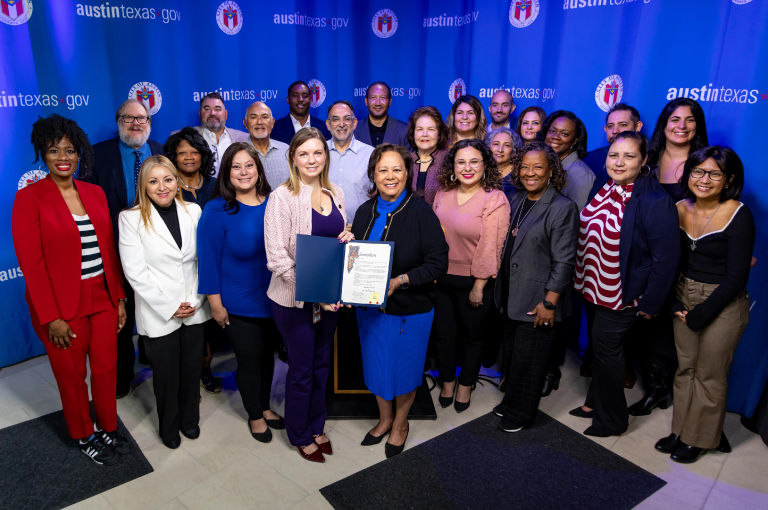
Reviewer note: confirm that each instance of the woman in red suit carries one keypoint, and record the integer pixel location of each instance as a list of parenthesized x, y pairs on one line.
[(63, 238)]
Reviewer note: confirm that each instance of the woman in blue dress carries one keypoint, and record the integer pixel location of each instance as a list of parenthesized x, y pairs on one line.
[(394, 339)]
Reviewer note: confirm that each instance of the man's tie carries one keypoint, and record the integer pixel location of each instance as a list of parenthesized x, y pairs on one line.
[(136, 168)]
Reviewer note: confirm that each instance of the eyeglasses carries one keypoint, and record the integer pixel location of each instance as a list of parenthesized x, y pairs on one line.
[(128, 119), (715, 175), (347, 119), (475, 163)]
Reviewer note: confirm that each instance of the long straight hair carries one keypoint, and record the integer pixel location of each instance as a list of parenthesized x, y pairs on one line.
[(659, 139), (294, 179), (143, 203), (224, 187)]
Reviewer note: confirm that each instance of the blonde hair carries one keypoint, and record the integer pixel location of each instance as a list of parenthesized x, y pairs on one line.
[(143, 203), (294, 179)]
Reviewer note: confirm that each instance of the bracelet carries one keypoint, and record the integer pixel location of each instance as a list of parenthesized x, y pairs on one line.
[(122, 299)]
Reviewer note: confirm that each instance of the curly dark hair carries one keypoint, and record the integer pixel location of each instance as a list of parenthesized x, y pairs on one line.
[(581, 130), (434, 114), (558, 179), (659, 139), (376, 155), (224, 187), (50, 130), (492, 179), (197, 141)]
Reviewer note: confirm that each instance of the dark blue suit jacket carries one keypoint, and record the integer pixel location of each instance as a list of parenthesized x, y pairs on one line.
[(595, 160), (649, 246), (396, 133), (283, 130), (107, 172)]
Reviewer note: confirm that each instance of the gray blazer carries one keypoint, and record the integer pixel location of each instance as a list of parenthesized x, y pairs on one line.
[(542, 256), (396, 132)]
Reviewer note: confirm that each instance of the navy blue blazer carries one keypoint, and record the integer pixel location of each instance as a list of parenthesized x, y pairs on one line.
[(595, 160), (649, 246), (396, 133), (283, 130), (107, 173)]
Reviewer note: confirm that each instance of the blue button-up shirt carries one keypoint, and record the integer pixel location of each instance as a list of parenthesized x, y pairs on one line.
[(129, 160), (350, 172)]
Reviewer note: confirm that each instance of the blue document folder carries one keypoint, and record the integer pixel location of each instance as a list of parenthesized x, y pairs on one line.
[(320, 268)]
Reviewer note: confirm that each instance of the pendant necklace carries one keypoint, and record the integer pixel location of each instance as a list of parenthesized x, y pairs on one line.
[(190, 187), (693, 224), (520, 212), (318, 204)]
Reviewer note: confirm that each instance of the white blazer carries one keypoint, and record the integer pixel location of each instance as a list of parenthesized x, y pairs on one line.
[(162, 275)]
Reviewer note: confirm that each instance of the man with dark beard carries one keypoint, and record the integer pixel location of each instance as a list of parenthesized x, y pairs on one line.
[(379, 127), (116, 164), (213, 117)]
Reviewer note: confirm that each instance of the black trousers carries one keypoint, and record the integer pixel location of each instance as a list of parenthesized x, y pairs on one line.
[(610, 331), (526, 351), (567, 332), (460, 329), (176, 364), (126, 355), (655, 350), (253, 340)]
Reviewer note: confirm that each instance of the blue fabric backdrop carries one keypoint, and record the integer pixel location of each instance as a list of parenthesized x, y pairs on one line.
[(82, 60)]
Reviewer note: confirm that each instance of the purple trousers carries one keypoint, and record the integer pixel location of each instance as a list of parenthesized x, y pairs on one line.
[(309, 353)]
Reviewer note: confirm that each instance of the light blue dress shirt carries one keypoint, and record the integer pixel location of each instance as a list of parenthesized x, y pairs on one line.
[(350, 172), (129, 161)]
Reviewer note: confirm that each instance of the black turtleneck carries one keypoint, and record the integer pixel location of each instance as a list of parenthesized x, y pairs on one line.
[(171, 218)]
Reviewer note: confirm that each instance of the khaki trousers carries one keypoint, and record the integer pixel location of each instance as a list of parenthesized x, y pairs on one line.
[(701, 381)]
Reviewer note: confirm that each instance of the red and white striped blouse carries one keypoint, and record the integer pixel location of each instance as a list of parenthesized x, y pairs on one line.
[(598, 275)]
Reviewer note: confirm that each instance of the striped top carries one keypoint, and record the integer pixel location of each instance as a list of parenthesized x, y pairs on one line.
[(598, 273), (90, 264)]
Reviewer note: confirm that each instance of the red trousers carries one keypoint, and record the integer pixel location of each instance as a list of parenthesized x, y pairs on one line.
[(95, 327)]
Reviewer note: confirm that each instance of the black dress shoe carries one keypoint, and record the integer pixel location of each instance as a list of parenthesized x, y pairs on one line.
[(261, 437), (278, 424), (668, 444), (581, 413), (551, 381), (371, 440), (173, 443), (596, 432), (192, 433), (687, 454), (391, 450), (724, 446), (661, 398)]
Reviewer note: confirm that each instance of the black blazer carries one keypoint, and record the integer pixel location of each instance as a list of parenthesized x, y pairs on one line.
[(396, 133), (107, 172), (283, 130), (421, 251), (649, 245), (543, 255), (595, 160)]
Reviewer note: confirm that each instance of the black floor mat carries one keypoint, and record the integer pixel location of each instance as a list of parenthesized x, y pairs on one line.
[(42, 468), (479, 466)]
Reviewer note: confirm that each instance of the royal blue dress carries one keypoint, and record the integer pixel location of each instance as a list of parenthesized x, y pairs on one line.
[(394, 347)]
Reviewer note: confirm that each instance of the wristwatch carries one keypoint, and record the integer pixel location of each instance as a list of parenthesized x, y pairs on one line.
[(403, 282), (548, 305)]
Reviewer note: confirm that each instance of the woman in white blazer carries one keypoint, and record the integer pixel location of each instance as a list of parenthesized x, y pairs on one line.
[(158, 250)]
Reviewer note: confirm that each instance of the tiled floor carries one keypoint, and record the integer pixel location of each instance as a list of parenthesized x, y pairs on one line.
[(227, 469)]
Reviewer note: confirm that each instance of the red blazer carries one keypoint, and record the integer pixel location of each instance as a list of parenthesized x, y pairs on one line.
[(47, 243)]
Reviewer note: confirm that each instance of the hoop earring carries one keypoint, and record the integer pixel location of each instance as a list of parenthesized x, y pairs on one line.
[(646, 166), (484, 177), (453, 177)]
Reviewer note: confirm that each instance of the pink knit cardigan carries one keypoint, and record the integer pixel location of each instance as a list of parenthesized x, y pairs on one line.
[(286, 216)]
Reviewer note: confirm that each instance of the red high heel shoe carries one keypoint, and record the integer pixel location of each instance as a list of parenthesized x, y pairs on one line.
[(316, 456), (326, 447)]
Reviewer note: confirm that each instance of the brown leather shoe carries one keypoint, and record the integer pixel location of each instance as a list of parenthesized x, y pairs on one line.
[(629, 380), (326, 447), (316, 456)]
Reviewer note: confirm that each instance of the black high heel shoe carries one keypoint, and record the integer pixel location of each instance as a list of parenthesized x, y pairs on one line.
[(371, 440), (391, 450), (446, 401)]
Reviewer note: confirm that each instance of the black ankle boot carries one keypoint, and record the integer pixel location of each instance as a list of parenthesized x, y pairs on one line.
[(656, 397), (551, 381), (668, 444), (687, 454), (724, 446)]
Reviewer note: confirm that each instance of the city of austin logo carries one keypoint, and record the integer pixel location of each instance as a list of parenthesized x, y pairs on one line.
[(15, 12), (148, 94), (609, 92), (316, 93), (384, 23), (456, 90), (229, 17), (523, 12)]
